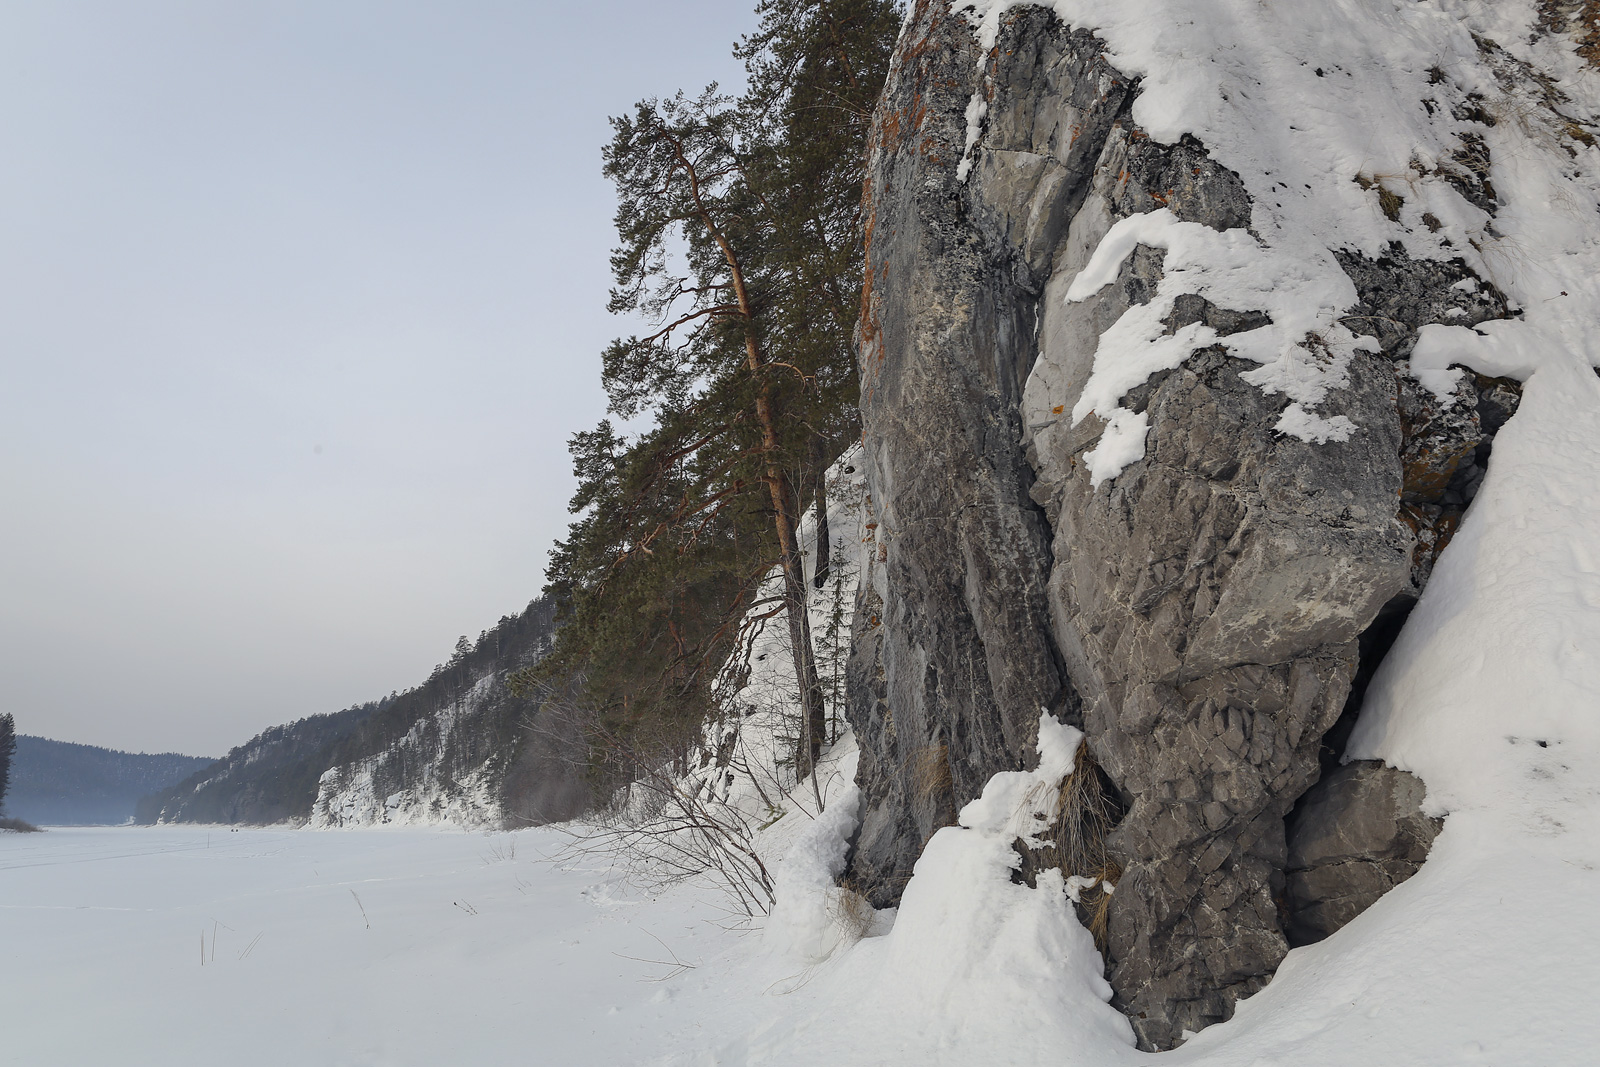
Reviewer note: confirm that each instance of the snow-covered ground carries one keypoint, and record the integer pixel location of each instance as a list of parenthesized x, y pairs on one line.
[(434, 947), (428, 947)]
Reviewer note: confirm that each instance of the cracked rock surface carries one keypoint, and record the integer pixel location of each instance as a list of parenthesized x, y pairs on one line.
[(1200, 614), (1358, 833)]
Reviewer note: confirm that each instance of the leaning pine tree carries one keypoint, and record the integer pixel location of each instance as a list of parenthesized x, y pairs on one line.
[(679, 173), (747, 374)]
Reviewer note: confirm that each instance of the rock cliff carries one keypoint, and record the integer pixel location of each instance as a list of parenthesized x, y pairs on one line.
[(1199, 561)]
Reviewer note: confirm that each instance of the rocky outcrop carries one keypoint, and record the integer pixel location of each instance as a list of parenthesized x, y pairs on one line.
[(1357, 834), (1207, 602), (1201, 613), (952, 658), (271, 778), (1446, 439)]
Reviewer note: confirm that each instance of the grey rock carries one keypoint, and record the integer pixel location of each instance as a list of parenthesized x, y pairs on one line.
[(1446, 442), (1397, 295), (953, 653), (1358, 833), (1200, 614), (1207, 602)]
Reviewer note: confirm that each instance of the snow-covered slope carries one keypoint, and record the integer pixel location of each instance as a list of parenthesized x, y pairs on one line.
[(758, 719), (354, 794), (722, 814), (1354, 126), (454, 749)]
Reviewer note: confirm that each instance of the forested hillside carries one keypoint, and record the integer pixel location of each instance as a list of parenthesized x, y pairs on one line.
[(65, 784), (399, 742)]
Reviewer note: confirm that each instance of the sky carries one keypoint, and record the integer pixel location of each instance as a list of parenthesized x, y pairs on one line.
[(299, 305)]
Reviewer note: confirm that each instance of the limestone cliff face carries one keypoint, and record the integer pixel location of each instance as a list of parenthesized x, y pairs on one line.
[(953, 659), (1201, 615)]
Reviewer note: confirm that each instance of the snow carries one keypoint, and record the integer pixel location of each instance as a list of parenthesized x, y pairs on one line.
[(1490, 693), (1302, 100), (410, 946), (407, 946), (1301, 294), (420, 947), (1121, 443), (976, 968), (977, 111), (477, 951), (804, 922), (760, 674), (347, 795)]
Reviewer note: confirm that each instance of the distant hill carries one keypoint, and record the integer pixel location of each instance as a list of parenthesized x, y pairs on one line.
[(270, 778), (460, 747), (62, 784)]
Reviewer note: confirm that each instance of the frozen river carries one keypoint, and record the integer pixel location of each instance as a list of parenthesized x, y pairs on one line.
[(359, 947), (437, 948)]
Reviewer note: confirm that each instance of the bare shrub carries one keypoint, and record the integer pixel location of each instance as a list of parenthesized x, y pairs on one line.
[(668, 821)]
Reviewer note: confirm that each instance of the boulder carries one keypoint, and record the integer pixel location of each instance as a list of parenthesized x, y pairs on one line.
[(1357, 834)]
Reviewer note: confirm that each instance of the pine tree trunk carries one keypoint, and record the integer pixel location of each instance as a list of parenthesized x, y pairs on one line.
[(808, 746)]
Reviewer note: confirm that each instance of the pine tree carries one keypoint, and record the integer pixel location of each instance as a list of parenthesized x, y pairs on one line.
[(815, 71), (737, 223), (681, 172), (8, 748)]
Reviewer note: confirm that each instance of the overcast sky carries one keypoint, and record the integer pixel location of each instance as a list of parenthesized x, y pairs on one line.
[(299, 304)]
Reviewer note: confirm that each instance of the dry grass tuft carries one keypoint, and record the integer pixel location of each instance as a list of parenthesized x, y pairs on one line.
[(1390, 202), (930, 771), (1088, 810), (851, 910)]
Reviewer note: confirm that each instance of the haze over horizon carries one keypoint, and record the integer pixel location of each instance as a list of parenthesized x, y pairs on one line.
[(298, 307)]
